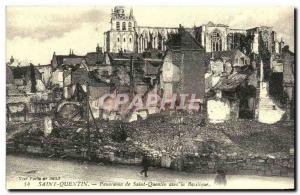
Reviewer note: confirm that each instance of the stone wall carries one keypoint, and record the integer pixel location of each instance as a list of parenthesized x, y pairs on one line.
[(242, 147), (218, 110), (268, 111), (237, 165), (232, 164)]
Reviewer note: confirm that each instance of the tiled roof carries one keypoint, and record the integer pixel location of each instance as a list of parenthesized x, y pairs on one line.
[(211, 24), (82, 76), (94, 58), (115, 56), (230, 83), (193, 65), (230, 54), (184, 41), (68, 59)]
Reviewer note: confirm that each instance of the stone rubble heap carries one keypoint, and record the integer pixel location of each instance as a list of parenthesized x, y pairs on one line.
[(180, 142)]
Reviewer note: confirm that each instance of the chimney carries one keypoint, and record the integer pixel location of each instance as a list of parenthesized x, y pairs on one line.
[(98, 49), (11, 60), (121, 52)]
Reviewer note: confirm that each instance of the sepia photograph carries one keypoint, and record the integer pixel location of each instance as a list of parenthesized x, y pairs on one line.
[(132, 97)]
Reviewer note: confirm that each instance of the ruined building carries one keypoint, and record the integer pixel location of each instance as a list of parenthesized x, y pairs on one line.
[(126, 35), (220, 37)]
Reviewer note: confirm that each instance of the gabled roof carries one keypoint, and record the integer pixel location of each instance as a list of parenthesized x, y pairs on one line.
[(211, 24), (201, 58), (231, 82), (123, 59), (72, 60), (67, 59), (183, 40), (193, 65), (93, 58), (229, 54), (81, 76), (115, 56)]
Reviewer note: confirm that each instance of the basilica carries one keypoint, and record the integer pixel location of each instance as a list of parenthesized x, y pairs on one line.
[(127, 36)]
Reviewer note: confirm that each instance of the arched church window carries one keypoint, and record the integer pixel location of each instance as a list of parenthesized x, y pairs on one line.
[(118, 25), (216, 41), (124, 39), (265, 38), (130, 39), (124, 26), (129, 26), (118, 39), (230, 41)]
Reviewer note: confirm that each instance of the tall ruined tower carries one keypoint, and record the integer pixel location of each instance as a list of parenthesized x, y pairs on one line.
[(121, 36)]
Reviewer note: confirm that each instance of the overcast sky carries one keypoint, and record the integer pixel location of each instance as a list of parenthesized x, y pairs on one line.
[(34, 33)]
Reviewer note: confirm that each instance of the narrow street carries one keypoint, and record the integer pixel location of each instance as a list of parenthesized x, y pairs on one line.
[(42, 173)]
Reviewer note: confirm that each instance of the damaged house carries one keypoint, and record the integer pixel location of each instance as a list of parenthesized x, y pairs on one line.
[(281, 81), (183, 68), (79, 76), (289, 82), (26, 96), (135, 74), (26, 79), (99, 73), (46, 72), (230, 85), (62, 66)]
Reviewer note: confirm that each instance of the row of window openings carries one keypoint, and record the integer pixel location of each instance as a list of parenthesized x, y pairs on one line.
[(124, 40), (123, 26)]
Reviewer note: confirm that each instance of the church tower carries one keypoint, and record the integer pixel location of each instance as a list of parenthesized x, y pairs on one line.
[(121, 36)]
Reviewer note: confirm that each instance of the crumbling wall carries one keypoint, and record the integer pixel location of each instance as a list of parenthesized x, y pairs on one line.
[(57, 78), (181, 143), (218, 110), (232, 163), (268, 111)]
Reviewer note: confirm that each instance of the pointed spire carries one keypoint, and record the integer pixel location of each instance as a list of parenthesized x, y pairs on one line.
[(131, 13), (70, 53)]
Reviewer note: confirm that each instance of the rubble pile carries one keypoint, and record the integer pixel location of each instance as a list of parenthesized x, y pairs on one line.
[(177, 141)]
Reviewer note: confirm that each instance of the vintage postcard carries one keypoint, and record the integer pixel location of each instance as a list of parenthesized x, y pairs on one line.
[(150, 97)]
